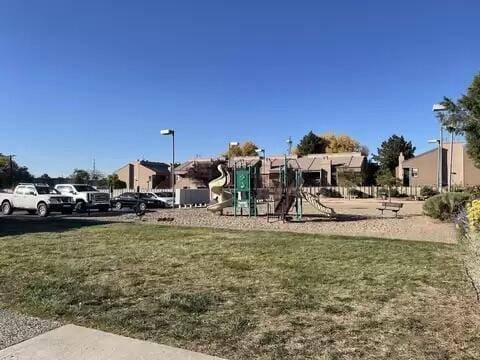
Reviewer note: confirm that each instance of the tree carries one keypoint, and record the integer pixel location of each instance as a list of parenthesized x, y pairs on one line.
[(11, 173), (311, 144), (80, 176), (386, 179), (389, 151), (114, 182), (45, 179), (463, 116), (328, 143), (340, 143), (246, 149)]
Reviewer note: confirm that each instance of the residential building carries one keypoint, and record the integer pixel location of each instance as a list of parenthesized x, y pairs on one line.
[(145, 175), (318, 169), (322, 169), (422, 170)]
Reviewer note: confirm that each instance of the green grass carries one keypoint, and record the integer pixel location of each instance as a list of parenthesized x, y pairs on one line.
[(248, 295)]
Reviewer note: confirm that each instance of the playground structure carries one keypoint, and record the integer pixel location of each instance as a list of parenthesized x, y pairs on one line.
[(281, 193)]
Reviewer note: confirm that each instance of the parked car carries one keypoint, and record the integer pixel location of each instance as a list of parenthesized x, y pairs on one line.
[(131, 199), (85, 197), (36, 198), (165, 196)]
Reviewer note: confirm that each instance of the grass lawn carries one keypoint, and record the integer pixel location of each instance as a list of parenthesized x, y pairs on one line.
[(248, 295)]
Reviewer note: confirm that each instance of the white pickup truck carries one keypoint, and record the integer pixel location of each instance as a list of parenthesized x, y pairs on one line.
[(36, 198), (85, 196)]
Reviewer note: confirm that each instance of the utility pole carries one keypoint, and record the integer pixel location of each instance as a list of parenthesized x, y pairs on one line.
[(94, 174)]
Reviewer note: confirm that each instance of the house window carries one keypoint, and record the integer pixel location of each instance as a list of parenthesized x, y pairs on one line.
[(415, 172)]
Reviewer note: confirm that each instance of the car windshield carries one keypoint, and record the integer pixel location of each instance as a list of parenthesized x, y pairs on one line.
[(164, 194), (83, 188), (43, 190), (147, 195)]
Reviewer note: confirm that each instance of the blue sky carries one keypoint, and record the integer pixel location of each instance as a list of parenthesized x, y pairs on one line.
[(84, 79)]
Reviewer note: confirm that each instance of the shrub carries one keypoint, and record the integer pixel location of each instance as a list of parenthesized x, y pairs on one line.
[(427, 192), (473, 214), (444, 206)]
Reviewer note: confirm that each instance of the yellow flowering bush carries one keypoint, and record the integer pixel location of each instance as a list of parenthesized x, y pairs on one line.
[(473, 214)]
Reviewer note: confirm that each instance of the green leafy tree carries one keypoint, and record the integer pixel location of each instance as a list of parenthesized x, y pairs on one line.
[(114, 182), (463, 116), (311, 144), (389, 151), (11, 173), (386, 179), (80, 176)]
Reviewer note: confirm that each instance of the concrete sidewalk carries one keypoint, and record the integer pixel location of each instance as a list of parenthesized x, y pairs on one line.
[(72, 342)]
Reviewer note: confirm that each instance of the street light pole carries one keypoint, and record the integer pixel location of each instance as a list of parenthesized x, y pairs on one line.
[(437, 141), (439, 108), (172, 169)]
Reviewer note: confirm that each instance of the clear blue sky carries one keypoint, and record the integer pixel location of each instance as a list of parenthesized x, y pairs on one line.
[(100, 78)]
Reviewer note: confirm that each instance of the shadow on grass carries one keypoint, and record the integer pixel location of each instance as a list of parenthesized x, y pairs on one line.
[(18, 225)]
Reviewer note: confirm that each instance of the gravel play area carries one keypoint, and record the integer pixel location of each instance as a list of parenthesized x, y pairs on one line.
[(355, 217), (15, 328)]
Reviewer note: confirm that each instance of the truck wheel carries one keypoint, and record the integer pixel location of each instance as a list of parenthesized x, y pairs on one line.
[(42, 210), (7, 208), (118, 205), (80, 207)]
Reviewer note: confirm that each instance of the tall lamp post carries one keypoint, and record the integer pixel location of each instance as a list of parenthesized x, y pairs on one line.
[(439, 108), (172, 170)]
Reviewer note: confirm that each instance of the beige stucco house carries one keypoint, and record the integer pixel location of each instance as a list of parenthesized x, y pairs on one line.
[(145, 175), (422, 170)]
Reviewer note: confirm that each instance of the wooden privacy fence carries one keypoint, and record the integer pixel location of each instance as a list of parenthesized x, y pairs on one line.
[(364, 191)]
